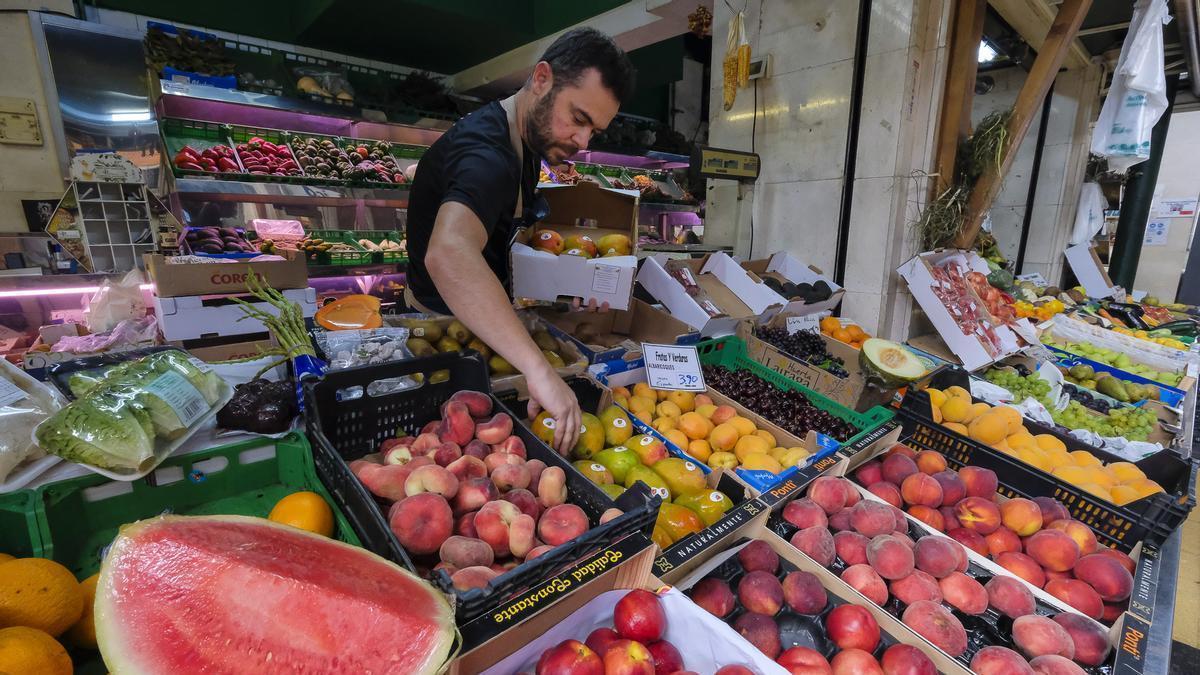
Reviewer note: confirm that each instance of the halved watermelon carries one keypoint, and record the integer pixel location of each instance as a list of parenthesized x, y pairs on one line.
[(232, 594)]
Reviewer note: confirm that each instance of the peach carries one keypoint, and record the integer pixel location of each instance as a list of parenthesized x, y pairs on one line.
[(1053, 549), (457, 424), (928, 515), (852, 627), (473, 493), (871, 519), (422, 523), (936, 624), (521, 539), (495, 430), (966, 594), (816, 543), (467, 467), (930, 462), (463, 552), (562, 523), (804, 513), (525, 501), (905, 539), (949, 519), (758, 556), (1089, 638), (513, 445), (867, 581), (1022, 566), (852, 494), (473, 577), (953, 489), (666, 657), (1103, 573), (803, 593), (430, 427), (552, 487), (1037, 636), (478, 403), (900, 449), (980, 482), (1022, 516), (1003, 540), (464, 525), (804, 660), (1051, 575), (829, 493), (978, 514), (840, 521), (493, 523), (921, 489), (936, 556), (431, 478), (499, 459), (388, 481), (1053, 664), (713, 596), (445, 453), (851, 547), (1122, 558), (510, 477), (902, 659), (761, 592), (1113, 611), (886, 491), (1082, 534), (397, 453), (999, 661), (1009, 597), (969, 538), (536, 467), (538, 550), (960, 552), (869, 473), (425, 442), (897, 467), (610, 515), (916, 586), (1051, 509), (477, 448), (1077, 594), (761, 631), (447, 567), (854, 662), (890, 557)]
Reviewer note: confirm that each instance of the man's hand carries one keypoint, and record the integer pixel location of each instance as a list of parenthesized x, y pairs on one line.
[(548, 392), (577, 304)]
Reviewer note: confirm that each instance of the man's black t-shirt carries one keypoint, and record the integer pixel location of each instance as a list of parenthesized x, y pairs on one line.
[(473, 164)]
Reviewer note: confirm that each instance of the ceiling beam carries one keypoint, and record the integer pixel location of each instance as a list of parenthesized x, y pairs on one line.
[(954, 124), (1096, 30), (1032, 19)]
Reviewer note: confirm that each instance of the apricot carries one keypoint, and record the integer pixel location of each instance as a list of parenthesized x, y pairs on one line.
[(1023, 566), (890, 557), (921, 489), (978, 514), (1022, 516), (1078, 594), (979, 482), (1053, 549), (871, 519), (1037, 636), (749, 445), (722, 414), (915, 587), (713, 596), (936, 556), (897, 467), (866, 581), (804, 512), (700, 450), (803, 593), (928, 515), (723, 437), (1089, 639), (886, 491), (1009, 597), (695, 426), (994, 660), (851, 547), (969, 538), (936, 624), (1106, 575), (422, 522), (758, 556), (816, 543), (1053, 664), (953, 489), (1082, 534), (966, 594)]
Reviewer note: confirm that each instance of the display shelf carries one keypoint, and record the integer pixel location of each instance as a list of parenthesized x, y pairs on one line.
[(675, 207), (326, 271), (682, 248), (282, 193)]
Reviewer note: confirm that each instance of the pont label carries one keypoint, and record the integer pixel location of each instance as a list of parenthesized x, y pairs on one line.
[(673, 367), (620, 423), (548, 422)]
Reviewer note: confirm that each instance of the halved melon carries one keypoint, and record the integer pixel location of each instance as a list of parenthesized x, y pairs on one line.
[(891, 362), (232, 594)]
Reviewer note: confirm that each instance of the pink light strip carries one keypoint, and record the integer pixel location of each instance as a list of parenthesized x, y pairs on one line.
[(70, 290)]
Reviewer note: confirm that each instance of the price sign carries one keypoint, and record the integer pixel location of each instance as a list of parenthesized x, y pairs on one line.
[(797, 323), (673, 367)]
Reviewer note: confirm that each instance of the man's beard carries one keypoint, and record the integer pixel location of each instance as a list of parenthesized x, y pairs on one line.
[(537, 130)]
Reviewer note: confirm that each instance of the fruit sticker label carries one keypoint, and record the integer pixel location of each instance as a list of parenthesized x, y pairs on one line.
[(673, 367)]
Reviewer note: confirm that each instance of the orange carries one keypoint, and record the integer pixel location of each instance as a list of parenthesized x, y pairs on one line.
[(1071, 473), (956, 427), (305, 510), (856, 333), (1123, 494), (40, 594), (1049, 443), (830, 324), (1084, 458), (83, 633), (1125, 472), (842, 335), (937, 397), (29, 650)]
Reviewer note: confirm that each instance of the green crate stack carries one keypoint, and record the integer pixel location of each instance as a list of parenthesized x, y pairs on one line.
[(21, 531), (358, 256), (405, 151), (378, 236), (83, 514), (731, 353), (177, 132)]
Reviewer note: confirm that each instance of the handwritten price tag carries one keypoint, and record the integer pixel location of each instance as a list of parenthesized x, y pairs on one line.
[(673, 367), (796, 323)]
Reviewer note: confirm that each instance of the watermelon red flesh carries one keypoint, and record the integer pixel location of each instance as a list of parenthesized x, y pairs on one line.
[(230, 594)]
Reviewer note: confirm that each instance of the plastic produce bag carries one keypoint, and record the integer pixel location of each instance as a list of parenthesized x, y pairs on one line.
[(127, 332), (349, 348), (323, 82), (1138, 95), (1089, 216), (24, 403), (116, 302)]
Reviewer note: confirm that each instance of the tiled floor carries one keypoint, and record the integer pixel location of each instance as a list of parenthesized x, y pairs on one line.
[(1187, 588)]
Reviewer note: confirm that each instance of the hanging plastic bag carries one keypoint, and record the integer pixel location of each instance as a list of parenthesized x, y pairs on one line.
[(1138, 94), (116, 302), (1089, 215)]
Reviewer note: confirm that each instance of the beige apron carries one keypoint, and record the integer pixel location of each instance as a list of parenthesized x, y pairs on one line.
[(514, 137)]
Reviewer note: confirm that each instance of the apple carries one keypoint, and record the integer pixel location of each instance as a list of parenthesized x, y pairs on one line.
[(570, 657), (639, 616)]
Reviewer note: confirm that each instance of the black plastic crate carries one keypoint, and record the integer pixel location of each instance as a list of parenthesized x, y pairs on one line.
[(1151, 519), (346, 422)]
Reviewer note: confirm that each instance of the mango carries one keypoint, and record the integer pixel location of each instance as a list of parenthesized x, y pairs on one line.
[(710, 505), (652, 480), (618, 460), (682, 477), (617, 428)]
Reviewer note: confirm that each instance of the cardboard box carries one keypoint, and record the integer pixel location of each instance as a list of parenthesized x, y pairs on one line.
[(1090, 272), (588, 209), (734, 293), (617, 334), (231, 351), (970, 349), (783, 266), (171, 281), (204, 316)]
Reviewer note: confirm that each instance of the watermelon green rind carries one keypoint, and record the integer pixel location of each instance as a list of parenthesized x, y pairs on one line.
[(234, 594)]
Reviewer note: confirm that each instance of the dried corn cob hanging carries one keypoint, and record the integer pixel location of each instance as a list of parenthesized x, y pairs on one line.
[(731, 66)]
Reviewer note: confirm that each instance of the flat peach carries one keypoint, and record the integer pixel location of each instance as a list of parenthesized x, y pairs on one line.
[(1009, 597), (966, 594), (1037, 636), (866, 581)]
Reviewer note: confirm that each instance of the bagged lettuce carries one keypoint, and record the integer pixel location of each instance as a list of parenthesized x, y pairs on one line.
[(24, 403)]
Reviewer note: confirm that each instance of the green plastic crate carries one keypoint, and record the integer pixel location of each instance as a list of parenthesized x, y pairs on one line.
[(82, 515), (731, 352), (378, 236), (177, 132), (358, 256), (404, 151), (243, 134), (21, 531)]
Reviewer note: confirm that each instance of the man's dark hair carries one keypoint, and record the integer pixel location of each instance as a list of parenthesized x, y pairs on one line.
[(582, 48)]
